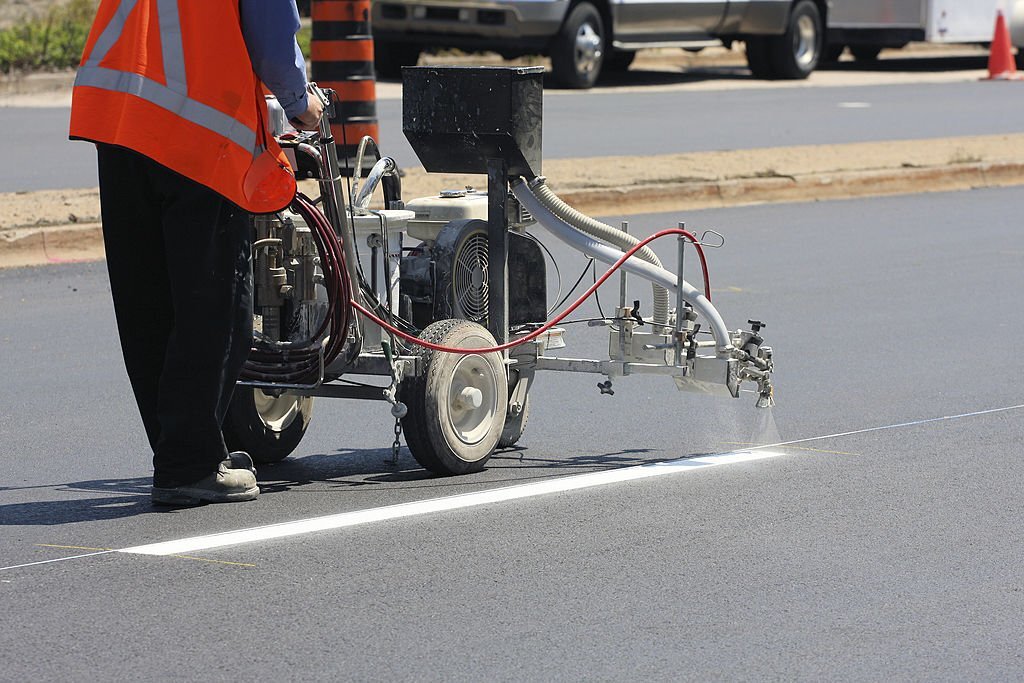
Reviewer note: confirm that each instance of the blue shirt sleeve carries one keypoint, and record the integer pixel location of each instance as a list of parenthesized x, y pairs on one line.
[(269, 28)]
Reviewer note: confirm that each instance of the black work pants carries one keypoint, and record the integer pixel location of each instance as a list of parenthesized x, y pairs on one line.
[(178, 256)]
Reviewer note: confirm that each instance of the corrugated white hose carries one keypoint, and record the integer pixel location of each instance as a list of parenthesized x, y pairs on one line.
[(605, 232), (602, 252)]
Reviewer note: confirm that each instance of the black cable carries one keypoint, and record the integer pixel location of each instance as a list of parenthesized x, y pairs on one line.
[(597, 293), (554, 263), (575, 286)]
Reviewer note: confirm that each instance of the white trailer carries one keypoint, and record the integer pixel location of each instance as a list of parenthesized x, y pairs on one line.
[(867, 26)]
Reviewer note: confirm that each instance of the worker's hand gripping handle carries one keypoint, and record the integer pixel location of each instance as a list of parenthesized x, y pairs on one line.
[(319, 111)]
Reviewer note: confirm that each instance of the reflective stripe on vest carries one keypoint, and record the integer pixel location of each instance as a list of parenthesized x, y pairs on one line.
[(172, 97)]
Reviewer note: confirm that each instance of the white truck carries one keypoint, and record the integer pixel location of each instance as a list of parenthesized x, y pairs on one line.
[(784, 39)]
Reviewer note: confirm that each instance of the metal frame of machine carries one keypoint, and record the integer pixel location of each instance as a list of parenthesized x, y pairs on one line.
[(458, 390)]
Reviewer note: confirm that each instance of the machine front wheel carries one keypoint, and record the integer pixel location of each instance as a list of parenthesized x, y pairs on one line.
[(457, 404), (265, 426)]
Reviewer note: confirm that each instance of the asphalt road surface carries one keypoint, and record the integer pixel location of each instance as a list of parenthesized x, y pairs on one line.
[(880, 543), (666, 119)]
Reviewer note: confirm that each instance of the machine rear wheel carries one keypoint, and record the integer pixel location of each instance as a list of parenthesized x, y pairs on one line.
[(457, 405), (266, 427), (515, 425)]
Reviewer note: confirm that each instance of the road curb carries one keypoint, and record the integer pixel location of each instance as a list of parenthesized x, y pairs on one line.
[(780, 189), (75, 242)]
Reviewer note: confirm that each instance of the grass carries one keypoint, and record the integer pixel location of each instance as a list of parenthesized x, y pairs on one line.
[(50, 42)]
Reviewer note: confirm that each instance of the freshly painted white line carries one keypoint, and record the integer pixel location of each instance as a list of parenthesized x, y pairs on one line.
[(497, 495), (433, 505), (57, 559), (899, 425)]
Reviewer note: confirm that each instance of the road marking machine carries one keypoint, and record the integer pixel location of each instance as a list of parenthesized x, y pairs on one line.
[(456, 324)]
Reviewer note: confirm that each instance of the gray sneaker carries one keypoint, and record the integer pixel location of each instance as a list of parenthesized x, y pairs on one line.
[(226, 485)]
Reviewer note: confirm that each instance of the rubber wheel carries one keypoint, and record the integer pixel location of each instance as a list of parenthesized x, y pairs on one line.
[(865, 53), (266, 427), (578, 50), (515, 425), (758, 57), (389, 58), (794, 54), (457, 404)]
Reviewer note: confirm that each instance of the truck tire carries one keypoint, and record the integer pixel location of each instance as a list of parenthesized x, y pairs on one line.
[(795, 53), (578, 51), (758, 57)]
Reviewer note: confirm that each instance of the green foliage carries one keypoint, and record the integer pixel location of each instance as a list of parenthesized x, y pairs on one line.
[(53, 41), (303, 37)]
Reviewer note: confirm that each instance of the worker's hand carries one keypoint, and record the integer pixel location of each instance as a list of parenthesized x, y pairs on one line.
[(310, 119)]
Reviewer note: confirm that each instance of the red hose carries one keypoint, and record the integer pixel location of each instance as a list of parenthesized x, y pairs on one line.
[(561, 316)]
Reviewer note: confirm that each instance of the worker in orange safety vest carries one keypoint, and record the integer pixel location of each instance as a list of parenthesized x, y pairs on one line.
[(171, 92)]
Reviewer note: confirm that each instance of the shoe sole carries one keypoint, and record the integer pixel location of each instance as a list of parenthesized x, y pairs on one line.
[(184, 496)]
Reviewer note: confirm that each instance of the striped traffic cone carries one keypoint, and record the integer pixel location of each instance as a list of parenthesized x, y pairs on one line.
[(342, 54)]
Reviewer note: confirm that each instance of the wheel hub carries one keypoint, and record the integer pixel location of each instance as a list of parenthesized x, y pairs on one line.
[(276, 412), (588, 49), (472, 399), (805, 41)]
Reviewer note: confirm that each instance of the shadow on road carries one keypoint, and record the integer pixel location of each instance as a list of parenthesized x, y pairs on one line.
[(132, 499), (911, 65), (318, 473), (348, 469)]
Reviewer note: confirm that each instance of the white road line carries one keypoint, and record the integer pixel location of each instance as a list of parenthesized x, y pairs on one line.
[(563, 484), (498, 495), (57, 559), (899, 425)]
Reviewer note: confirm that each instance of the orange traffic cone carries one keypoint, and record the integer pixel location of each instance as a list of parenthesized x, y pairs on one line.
[(1001, 66)]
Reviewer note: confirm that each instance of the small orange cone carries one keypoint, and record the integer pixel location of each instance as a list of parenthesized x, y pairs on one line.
[(1001, 65)]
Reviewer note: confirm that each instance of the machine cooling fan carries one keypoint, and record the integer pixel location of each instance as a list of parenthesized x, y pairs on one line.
[(469, 288)]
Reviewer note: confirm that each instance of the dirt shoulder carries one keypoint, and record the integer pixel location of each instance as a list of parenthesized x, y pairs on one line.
[(55, 226)]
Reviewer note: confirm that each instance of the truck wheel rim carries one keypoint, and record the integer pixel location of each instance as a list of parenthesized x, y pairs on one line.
[(806, 41), (588, 49), (276, 412), (472, 399)]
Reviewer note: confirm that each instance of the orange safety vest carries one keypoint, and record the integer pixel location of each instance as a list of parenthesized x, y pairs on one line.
[(172, 80)]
